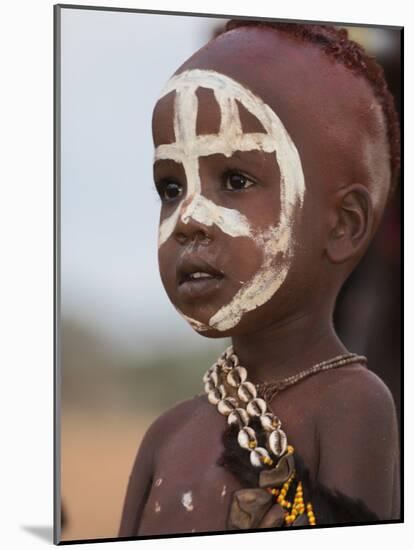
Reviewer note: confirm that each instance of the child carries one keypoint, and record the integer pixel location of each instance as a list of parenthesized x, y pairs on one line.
[(276, 150)]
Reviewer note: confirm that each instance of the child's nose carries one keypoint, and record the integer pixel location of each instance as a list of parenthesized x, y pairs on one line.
[(192, 223)]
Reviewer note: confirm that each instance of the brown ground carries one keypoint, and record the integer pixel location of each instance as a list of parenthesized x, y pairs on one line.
[(97, 455)]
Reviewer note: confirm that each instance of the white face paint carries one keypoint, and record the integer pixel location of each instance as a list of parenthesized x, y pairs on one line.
[(187, 150)]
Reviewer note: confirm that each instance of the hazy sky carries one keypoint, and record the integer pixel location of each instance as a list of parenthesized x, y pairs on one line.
[(114, 65)]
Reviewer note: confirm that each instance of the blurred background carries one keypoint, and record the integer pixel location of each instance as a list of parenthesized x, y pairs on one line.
[(126, 355)]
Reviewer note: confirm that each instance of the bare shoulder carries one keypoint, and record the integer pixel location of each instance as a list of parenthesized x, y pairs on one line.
[(172, 419), (356, 391), (358, 439)]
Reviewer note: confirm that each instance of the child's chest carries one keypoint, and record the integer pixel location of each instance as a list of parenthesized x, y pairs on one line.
[(190, 492)]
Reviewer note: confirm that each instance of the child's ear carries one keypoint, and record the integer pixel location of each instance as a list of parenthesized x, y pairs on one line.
[(351, 221)]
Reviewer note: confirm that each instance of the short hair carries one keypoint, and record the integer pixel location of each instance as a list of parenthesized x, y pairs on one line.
[(336, 45)]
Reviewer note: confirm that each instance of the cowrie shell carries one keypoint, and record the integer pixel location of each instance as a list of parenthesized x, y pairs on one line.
[(239, 416), (256, 407), (206, 376), (257, 455), (270, 422), (237, 376), (214, 377), (229, 351), (226, 406), (214, 396), (209, 372), (223, 391), (247, 391), (277, 442), (246, 436), (209, 386)]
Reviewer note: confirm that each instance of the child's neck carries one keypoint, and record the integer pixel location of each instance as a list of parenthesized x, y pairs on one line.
[(283, 349)]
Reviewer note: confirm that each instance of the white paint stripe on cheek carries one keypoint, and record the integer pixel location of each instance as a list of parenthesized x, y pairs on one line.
[(200, 327), (262, 286), (208, 213), (167, 227)]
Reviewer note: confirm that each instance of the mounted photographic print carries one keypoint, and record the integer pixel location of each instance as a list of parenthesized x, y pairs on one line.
[(228, 274)]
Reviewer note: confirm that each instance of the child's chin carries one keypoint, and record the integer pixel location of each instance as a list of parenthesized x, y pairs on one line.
[(212, 333), (205, 330)]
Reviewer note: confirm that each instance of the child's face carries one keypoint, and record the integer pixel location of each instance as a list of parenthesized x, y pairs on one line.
[(236, 220), (229, 195)]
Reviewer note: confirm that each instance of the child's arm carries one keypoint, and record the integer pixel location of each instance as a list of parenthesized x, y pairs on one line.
[(139, 484), (359, 446)]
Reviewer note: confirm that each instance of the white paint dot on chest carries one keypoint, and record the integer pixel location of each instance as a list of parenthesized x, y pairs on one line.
[(224, 491), (158, 482), (157, 506), (187, 501)]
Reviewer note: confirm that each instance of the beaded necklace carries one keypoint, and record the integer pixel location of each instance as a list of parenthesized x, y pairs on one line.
[(227, 387)]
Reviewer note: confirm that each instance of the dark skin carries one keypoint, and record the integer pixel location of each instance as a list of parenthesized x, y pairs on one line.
[(341, 422)]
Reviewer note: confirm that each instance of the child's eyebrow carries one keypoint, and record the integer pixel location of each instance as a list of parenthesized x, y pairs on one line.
[(166, 166), (253, 157)]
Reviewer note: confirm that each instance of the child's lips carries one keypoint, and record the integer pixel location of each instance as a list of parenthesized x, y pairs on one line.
[(199, 288), (197, 277)]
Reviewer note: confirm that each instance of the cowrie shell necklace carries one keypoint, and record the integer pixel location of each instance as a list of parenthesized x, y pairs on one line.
[(235, 397)]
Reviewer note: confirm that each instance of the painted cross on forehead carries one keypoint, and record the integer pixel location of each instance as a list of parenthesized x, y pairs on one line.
[(189, 147)]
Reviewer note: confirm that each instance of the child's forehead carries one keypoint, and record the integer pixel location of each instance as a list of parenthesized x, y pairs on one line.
[(209, 116), (286, 73)]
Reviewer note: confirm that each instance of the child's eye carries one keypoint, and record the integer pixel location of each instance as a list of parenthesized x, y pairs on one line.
[(169, 190), (234, 181)]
